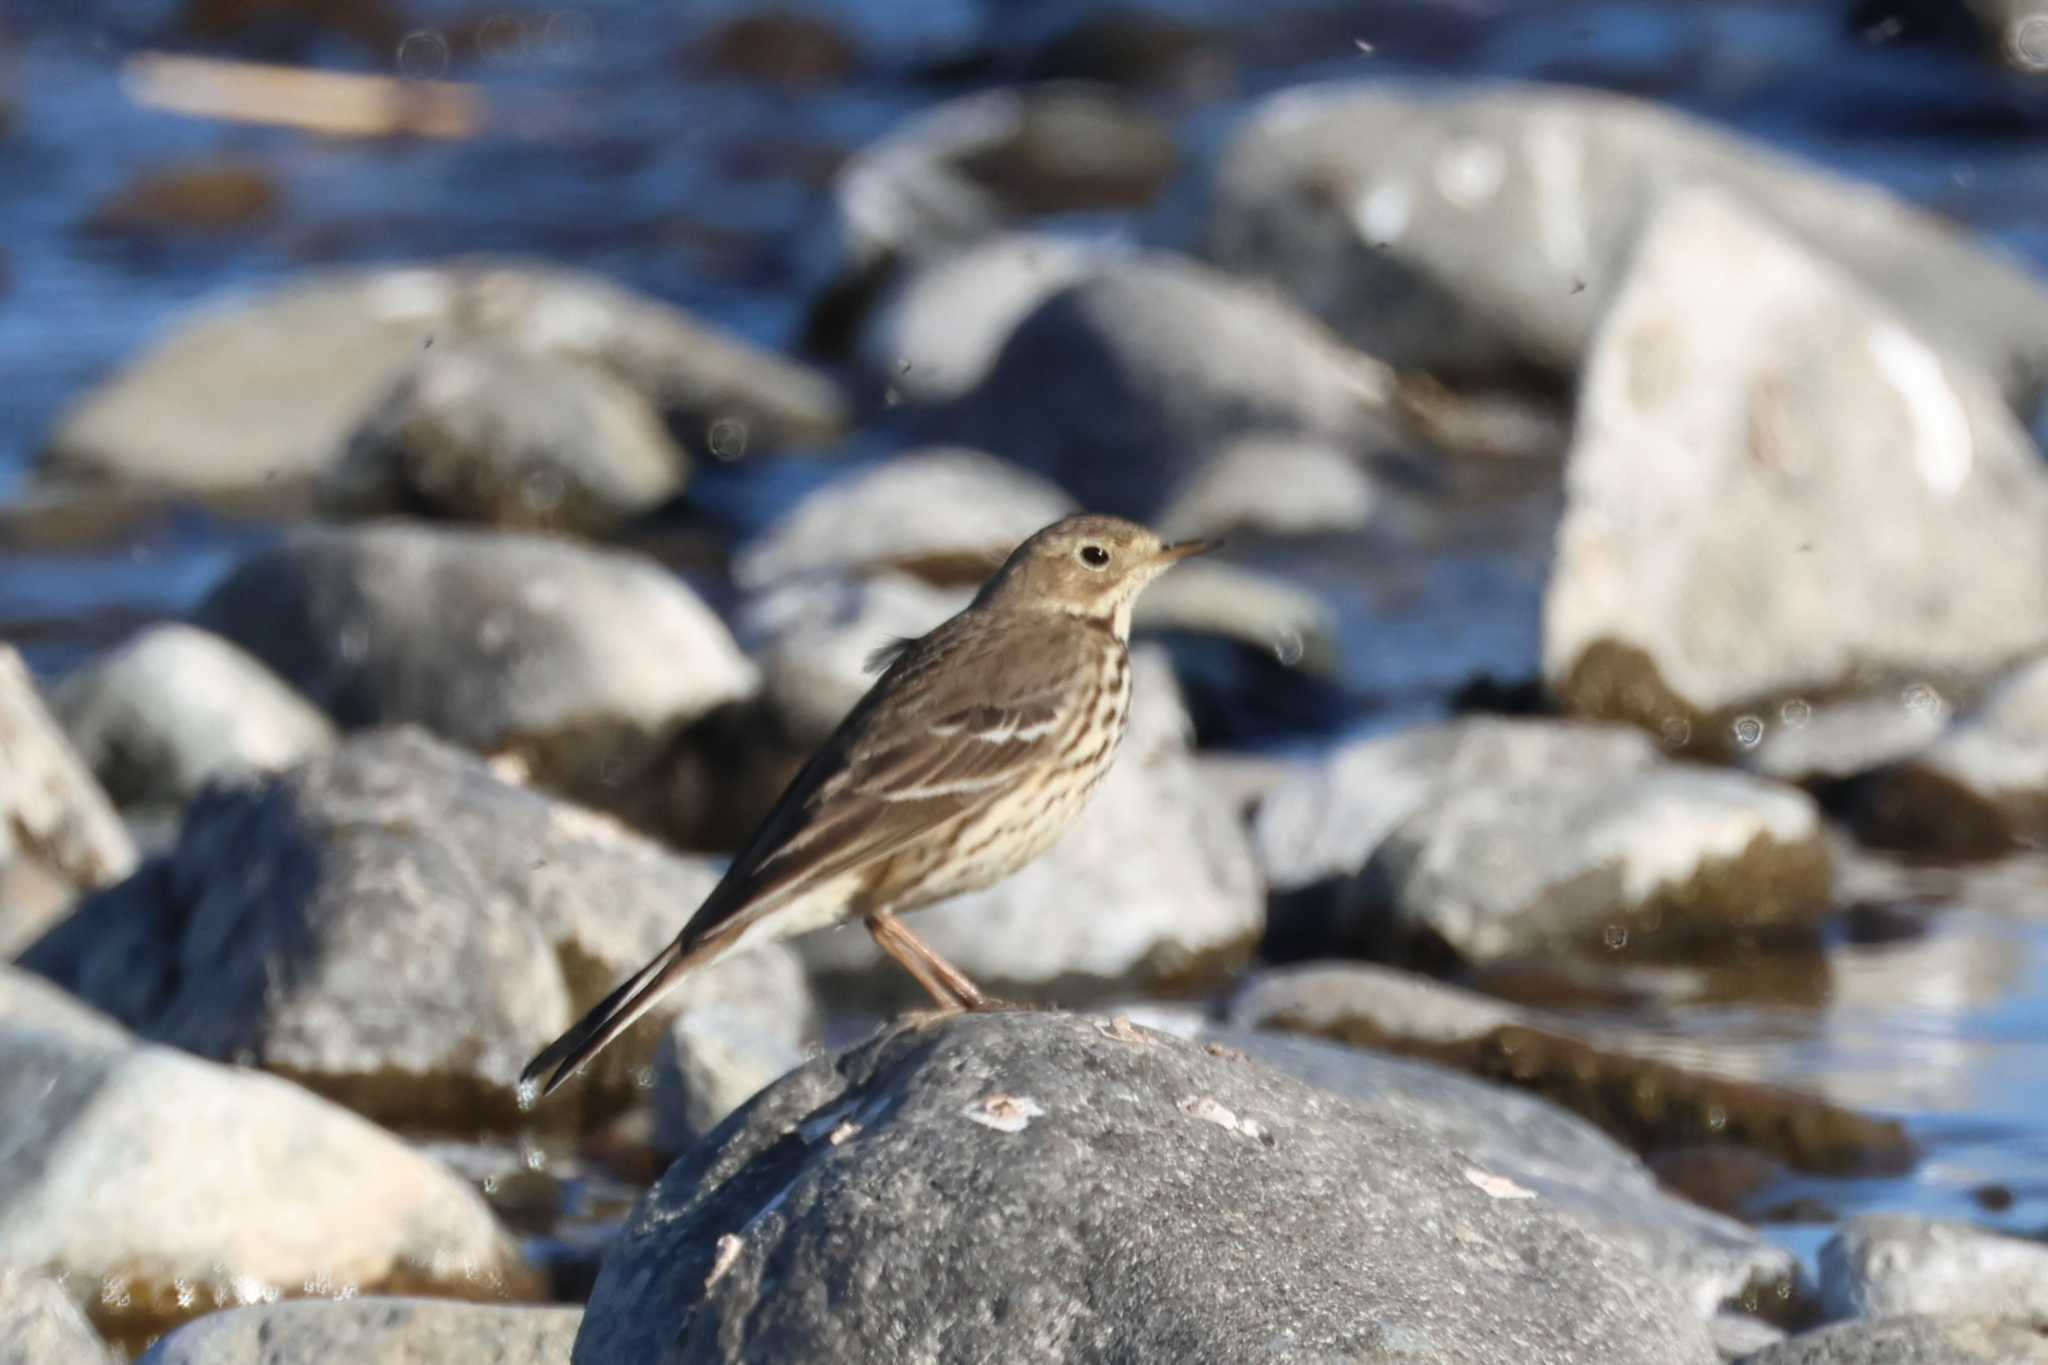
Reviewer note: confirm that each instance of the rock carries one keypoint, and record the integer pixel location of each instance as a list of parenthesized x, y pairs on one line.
[(58, 832), (1161, 1175), (485, 432), (780, 47), (390, 925), (40, 1325), (1979, 788), (946, 515), (1315, 833), (202, 200), (938, 327), (269, 389), (738, 1025), (1273, 487), (1153, 889), (1834, 741), (1883, 1265), (1479, 230), (175, 708), (1141, 49), (1754, 430), (578, 661), (31, 1002), (1124, 385), (174, 1186), (373, 1331), (1914, 1340), (1668, 861), (2015, 30), (1736, 1336), (1268, 614), (1572, 1166), (1600, 1074)]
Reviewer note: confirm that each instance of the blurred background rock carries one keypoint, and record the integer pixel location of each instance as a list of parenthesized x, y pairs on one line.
[(455, 460)]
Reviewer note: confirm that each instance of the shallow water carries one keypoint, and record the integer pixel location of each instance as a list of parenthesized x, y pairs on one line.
[(605, 152)]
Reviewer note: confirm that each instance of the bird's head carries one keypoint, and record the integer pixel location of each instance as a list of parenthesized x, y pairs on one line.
[(1087, 566)]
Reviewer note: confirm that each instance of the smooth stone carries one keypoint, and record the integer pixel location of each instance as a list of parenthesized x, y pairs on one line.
[(1153, 888), (175, 1185), (576, 660), (392, 926), (1754, 428), (41, 1325), (940, 326), (1884, 1265), (1273, 487), (1978, 787), (484, 432), (740, 1026), (1122, 386), (59, 834), (176, 707), (1811, 743), (373, 1331), (1913, 1340), (1481, 229), (267, 389), (1151, 1171), (31, 1001), (944, 514)]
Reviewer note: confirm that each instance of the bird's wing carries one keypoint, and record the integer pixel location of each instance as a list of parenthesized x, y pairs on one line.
[(938, 737)]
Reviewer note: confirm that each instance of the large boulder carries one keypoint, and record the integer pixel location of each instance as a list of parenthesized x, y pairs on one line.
[(373, 1331), (1479, 230), (577, 661), (173, 1186), (40, 1325), (176, 707), (1041, 1187), (394, 927), (485, 432), (1152, 888), (58, 832), (269, 389), (1779, 491), (1883, 1265), (1123, 385)]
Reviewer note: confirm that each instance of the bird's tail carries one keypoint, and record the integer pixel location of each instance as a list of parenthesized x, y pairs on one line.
[(616, 1013)]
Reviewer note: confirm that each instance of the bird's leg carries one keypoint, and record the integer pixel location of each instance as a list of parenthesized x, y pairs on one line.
[(914, 957)]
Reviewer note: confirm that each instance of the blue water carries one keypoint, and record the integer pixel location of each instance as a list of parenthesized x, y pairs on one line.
[(606, 152)]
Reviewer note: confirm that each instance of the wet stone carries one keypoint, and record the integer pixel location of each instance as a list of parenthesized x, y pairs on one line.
[(373, 1331), (1882, 1265)]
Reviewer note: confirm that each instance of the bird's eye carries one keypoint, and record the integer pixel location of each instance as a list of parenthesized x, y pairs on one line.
[(1094, 556)]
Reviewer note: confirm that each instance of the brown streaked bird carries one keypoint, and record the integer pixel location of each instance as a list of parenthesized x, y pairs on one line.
[(969, 757)]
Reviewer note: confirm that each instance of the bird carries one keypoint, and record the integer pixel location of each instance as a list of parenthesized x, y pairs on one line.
[(970, 755)]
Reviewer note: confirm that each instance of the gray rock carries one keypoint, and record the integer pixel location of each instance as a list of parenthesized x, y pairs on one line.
[(373, 1331), (1884, 1265), (2015, 30), (579, 661), (1666, 860), (269, 389), (1914, 1340), (30, 1001), (738, 1025), (1231, 602), (972, 168), (1980, 786), (1182, 1206), (1153, 888), (1574, 1167), (944, 514), (176, 707), (935, 334), (1328, 998), (485, 432), (165, 1180), (1479, 229), (1805, 742), (1273, 487), (58, 832), (1778, 489), (1123, 385), (40, 1325), (1326, 822), (1736, 1336), (391, 925)]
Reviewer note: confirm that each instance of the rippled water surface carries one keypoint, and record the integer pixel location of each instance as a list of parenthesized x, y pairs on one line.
[(606, 150)]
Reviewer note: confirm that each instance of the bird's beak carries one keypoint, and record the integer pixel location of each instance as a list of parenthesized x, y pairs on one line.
[(1183, 549)]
